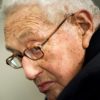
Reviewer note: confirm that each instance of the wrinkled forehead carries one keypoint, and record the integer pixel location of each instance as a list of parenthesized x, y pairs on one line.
[(26, 21), (24, 15), (27, 9), (25, 18)]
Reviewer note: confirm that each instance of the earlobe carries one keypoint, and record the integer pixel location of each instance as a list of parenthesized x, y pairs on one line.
[(85, 22)]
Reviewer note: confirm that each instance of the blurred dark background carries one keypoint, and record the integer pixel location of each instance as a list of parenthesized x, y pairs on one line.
[(97, 2)]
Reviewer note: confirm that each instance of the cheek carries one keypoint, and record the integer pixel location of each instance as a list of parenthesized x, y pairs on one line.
[(60, 67), (64, 67), (64, 58)]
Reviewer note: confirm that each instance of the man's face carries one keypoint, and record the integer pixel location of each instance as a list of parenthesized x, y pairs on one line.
[(63, 52)]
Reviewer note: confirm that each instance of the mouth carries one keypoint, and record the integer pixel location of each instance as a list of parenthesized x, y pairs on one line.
[(45, 86)]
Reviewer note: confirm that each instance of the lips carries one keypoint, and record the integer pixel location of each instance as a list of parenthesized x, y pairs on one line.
[(45, 86)]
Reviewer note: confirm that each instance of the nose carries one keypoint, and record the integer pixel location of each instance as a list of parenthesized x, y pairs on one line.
[(31, 68)]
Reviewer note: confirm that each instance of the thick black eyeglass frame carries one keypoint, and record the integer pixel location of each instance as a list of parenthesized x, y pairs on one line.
[(36, 48)]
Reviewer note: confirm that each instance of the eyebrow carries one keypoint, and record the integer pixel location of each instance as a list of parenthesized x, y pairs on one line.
[(24, 34), (29, 36), (12, 49)]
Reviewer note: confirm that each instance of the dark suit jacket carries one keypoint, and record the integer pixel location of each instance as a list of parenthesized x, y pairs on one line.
[(86, 84)]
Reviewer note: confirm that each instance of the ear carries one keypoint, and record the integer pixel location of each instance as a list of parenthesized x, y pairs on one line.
[(85, 23)]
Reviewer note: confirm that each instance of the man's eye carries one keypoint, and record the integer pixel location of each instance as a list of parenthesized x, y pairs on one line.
[(20, 56)]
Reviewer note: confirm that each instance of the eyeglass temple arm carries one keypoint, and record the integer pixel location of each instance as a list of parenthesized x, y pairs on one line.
[(66, 16)]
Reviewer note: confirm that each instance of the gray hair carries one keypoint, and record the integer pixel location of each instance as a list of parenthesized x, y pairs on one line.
[(54, 9)]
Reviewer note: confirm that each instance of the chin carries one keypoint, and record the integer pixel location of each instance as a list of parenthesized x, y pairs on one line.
[(53, 94)]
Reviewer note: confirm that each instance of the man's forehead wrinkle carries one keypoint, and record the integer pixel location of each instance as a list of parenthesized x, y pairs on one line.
[(24, 20), (27, 12), (19, 30), (28, 34), (24, 26)]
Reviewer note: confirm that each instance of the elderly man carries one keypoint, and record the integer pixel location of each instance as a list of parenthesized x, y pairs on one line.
[(56, 42)]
